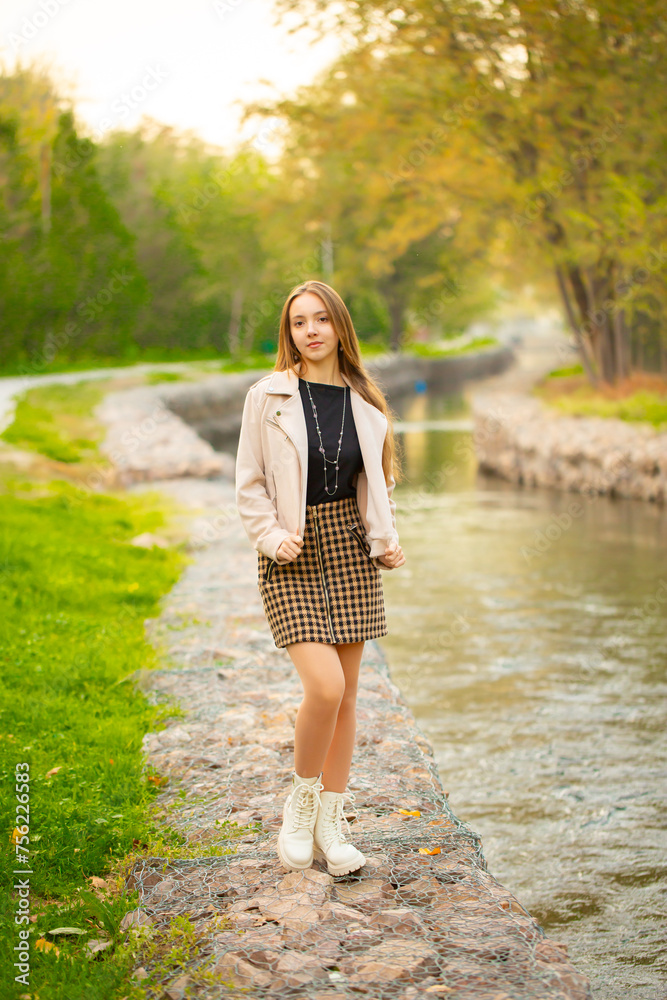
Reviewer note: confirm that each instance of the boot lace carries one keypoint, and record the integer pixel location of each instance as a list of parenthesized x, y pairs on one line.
[(307, 804), (334, 817)]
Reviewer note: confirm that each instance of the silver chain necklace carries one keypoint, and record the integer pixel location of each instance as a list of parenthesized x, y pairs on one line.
[(321, 448)]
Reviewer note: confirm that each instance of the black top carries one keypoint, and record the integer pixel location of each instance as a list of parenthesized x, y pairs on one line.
[(329, 402)]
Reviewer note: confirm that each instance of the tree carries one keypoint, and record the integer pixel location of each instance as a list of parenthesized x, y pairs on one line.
[(540, 126)]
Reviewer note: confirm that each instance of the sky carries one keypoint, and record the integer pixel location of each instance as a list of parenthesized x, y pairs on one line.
[(187, 63)]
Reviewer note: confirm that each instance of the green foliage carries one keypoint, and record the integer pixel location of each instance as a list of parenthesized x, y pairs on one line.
[(442, 351), (166, 953), (107, 913), (643, 406), (55, 421), (457, 139), (452, 149), (68, 274), (564, 372)]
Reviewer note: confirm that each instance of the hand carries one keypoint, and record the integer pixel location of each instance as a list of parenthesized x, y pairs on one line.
[(393, 555), (290, 548)]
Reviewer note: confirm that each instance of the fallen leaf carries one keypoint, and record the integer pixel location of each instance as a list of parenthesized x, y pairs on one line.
[(43, 945), (111, 761), (15, 836), (434, 850), (409, 812), (66, 930), (96, 945), (54, 770), (98, 883)]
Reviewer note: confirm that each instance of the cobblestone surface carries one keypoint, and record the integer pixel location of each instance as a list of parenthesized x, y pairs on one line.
[(519, 439)]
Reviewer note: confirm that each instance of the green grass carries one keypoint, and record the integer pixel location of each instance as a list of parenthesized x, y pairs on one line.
[(565, 372), (429, 350), (83, 362), (55, 421), (73, 599), (154, 378), (74, 596), (645, 407), (212, 360), (641, 398), (436, 351), (209, 358), (248, 363)]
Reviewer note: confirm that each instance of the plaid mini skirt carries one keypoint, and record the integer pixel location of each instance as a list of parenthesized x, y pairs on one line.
[(331, 592)]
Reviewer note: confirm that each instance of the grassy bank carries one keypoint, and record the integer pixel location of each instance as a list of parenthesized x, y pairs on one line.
[(210, 362), (370, 352), (205, 361), (640, 398), (74, 596)]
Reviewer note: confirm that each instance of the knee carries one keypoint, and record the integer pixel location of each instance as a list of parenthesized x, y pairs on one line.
[(348, 702), (330, 694)]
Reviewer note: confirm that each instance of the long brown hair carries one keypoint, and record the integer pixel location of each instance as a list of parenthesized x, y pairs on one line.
[(349, 361)]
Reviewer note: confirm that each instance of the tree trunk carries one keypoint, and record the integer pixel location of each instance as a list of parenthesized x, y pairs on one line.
[(583, 345), (45, 186), (625, 341), (396, 315), (620, 336), (235, 320)]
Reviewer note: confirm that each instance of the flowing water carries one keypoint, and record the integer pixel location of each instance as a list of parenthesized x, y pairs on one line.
[(527, 631)]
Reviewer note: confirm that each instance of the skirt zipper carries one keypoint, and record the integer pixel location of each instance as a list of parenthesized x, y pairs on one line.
[(324, 585)]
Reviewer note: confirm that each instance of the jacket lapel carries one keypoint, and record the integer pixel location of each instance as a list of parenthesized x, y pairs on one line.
[(291, 417), (371, 423)]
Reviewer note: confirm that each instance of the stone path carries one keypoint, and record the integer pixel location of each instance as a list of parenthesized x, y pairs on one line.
[(519, 438), (422, 917), (12, 386)]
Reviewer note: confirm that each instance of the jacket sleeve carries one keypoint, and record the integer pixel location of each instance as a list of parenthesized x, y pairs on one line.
[(392, 506), (255, 507)]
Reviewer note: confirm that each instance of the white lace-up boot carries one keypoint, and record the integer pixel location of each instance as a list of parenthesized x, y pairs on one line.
[(330, 844), (295, 840)]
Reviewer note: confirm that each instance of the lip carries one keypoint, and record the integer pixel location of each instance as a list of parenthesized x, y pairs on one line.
[(316, 343)]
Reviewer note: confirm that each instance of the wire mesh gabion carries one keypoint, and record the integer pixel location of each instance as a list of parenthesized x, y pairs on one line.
[(422, 917)]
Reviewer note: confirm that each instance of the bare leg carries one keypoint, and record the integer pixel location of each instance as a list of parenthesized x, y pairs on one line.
[(319, 667), (339, 758)]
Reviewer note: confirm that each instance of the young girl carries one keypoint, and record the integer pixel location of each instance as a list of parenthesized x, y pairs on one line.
[(314, 480)]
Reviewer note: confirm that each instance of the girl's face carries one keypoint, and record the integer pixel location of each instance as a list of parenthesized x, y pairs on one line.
[(312, 330)]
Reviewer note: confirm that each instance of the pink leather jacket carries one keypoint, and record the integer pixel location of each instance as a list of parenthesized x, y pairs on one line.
[(272, 466)]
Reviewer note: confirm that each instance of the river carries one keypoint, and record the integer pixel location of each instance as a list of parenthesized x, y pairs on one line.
[(527, 632)]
